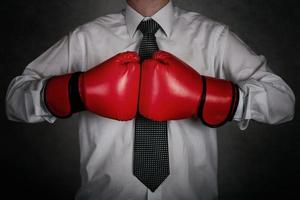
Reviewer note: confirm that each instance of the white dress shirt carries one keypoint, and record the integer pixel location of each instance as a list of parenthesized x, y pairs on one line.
[(106, 145)]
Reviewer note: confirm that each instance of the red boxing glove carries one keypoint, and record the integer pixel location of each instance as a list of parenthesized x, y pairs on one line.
[(110, 89), (170, 90)]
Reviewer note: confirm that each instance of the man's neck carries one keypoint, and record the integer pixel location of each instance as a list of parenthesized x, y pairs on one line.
[(147, 8)]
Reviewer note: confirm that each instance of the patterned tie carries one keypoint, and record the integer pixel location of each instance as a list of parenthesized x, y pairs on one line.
[(151, 157)]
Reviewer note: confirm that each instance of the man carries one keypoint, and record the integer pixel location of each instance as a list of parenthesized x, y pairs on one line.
[(116, 86)]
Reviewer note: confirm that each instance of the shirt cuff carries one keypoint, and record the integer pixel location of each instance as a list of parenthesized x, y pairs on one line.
[(239, 111)]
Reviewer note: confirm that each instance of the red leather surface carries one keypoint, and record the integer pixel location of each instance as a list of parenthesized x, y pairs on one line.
[(56, 95), (218, 100), (111, 88), (170, 89)]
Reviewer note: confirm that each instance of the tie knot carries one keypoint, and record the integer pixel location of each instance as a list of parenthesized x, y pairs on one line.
[(148, 26)]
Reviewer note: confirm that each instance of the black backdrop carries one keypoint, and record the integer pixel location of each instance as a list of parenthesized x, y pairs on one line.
[(41, 161)]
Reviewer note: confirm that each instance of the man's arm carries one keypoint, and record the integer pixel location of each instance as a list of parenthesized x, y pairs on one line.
[(24, 99), (266, 97), (50, 87)]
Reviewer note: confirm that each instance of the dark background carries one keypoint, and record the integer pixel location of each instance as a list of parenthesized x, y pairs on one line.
[(41, 161)]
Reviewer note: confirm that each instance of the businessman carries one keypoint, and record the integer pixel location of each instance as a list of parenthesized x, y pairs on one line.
[(150, 85)]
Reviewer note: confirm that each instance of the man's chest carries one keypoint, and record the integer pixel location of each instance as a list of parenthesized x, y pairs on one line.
[(196, 52)]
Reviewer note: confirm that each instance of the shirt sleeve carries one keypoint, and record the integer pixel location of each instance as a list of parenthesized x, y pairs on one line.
[(24, 97), (264, 96)]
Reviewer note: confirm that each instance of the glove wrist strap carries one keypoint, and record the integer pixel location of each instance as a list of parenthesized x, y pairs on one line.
[(218, 102), (74, 95)]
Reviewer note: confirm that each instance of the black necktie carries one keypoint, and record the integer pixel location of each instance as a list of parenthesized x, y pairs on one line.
[(151, 157)]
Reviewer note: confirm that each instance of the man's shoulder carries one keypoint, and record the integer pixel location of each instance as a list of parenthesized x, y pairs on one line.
[(102, 23), (197, 20)]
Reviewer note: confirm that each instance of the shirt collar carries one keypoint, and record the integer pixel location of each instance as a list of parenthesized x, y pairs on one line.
[(164, 17)]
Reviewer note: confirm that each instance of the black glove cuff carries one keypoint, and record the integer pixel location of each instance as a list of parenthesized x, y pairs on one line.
[(75, 99)]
